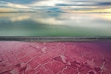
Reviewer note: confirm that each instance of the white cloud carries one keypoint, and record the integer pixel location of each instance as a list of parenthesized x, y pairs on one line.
[(47, 2), (17, 5)]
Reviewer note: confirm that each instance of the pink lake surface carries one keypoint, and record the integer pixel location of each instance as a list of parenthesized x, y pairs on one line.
[(55, 57)]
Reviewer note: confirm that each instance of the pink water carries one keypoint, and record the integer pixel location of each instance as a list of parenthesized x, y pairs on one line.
[(55, 57)]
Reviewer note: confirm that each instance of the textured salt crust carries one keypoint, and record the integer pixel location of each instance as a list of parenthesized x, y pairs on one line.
[(55, 58)]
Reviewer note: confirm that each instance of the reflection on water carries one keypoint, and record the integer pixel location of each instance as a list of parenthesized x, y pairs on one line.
[(55, 24)]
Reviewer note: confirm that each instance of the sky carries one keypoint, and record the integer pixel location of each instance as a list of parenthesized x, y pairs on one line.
[(55, 5)]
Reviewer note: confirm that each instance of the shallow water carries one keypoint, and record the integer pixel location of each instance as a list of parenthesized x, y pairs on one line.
[(55, 24), (55, 57)]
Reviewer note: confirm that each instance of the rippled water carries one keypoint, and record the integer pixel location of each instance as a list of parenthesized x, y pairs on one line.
[(55, 24)]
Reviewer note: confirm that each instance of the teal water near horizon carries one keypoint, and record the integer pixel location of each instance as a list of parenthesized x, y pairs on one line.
[(55, 24)]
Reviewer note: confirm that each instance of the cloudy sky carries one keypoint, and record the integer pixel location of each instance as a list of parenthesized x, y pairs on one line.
[(63, 5)]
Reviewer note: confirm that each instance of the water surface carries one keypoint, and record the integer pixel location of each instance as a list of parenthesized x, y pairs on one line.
[(55, 24)]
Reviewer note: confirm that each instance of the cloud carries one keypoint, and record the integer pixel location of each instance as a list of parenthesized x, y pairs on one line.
[(77, 4), (85, 4), (6, 9), (12, 5), (47, 2), (60, 4), (99, 0), (19, 1), (16, 5), (104, 3)]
